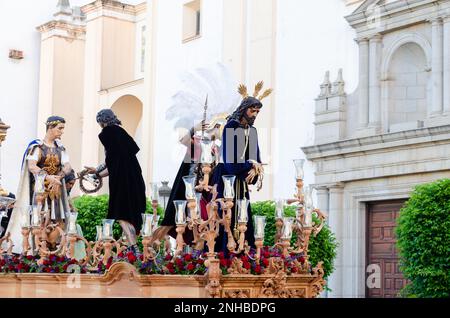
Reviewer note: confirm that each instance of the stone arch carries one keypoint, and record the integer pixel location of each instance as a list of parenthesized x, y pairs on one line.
[(406, 89), (128, 109)]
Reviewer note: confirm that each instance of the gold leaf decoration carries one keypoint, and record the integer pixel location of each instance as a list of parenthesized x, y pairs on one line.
[(258, 88), (266, 93), (243, 90)]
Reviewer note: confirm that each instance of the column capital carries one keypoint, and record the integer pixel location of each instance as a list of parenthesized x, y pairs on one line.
[(321, 188), (435, 21), (375, 38), (362, 40), (336, 187)]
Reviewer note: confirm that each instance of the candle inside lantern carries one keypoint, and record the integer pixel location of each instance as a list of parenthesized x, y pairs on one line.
[(154, 194), (99, 235), (243, 210), (180, 212), (228, 182), (155, 222), (309, 207), (206, 156), (35, 216), (308, 218), (107, 229), (286, 231), (189, 183), (279, 208), (147, 229), (72, 223), (260, 224), (298, 163)]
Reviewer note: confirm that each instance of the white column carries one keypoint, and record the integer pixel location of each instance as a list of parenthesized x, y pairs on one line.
[(374, 81), (335, 222), (322, 199), (446, 65), (363, 88), (436, 69)]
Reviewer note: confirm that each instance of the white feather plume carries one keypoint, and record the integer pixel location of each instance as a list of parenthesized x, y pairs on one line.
[(187, 105)]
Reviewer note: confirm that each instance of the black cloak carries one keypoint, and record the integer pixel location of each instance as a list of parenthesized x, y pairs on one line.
[(126, 185)]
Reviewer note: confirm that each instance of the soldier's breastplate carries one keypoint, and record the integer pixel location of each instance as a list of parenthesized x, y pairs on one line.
[(50, 161)]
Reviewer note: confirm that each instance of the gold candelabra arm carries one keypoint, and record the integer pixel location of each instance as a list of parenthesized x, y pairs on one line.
[(242, 227), (259, 243), (231, 245), (322, 217), (26, 248), (148, 253), (181, 228), (155, 208), (279, 226), (206, 170)]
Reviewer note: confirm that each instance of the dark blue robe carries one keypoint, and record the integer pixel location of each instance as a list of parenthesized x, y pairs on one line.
[(235, 162)]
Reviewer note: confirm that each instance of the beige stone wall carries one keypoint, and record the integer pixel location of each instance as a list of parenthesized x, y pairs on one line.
[(118, 51), (61, 89), (249, 48)]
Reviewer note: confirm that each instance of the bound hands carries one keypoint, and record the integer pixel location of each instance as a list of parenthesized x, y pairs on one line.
[(256, 170)]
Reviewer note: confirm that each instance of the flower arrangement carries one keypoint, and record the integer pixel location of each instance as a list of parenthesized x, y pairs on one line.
[(184, 264), (32, 264)]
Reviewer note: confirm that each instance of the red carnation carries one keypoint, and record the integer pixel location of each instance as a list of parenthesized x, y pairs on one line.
[(20, 266), (294, 269), (247, 265), (168, 257), (120, 254), (46, 262), (244, 258), (301, 259), (200, 261), (190, 267), (171, 270), (29, 257), (131, 257), (65, 267), (110, 260), (265, 262), (188, 257), (108, 265), (258, 269), (266, 254), (221, 255), (179, 262), (223, 262), (47, 269), (61, 259)]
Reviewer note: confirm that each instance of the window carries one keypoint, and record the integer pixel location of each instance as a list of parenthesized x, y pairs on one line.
[(191, 20)]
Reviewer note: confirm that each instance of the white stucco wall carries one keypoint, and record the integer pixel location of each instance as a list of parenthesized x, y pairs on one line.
[(312, 37), (19, 79), (172, 58)]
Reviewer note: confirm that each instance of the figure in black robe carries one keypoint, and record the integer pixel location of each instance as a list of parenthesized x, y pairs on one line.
[(126, 185), (189, 166), (127, 200), (239, 155)]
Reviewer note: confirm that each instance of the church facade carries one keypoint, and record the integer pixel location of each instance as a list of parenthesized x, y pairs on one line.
[(374, 145)]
